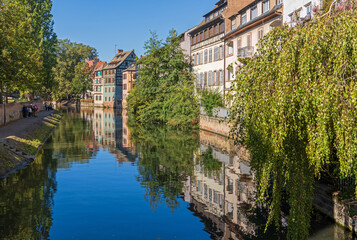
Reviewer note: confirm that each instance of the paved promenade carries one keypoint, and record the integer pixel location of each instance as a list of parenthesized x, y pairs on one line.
[(18, 127)]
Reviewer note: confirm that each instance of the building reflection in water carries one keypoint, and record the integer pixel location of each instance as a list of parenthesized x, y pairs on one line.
[(222, 188), (111, 134)]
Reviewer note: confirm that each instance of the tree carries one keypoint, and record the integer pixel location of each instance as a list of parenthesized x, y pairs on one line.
[(27, 45), (294, 106), (82, 79), (71, 58), (164, 92)]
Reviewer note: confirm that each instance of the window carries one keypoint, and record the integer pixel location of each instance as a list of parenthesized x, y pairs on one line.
[(217, 78), (124, 76), (96, 98), (105, 98), (222, 27), (221, 52), (266, 6), (113, 99), (202, 79), (205, 79), (124, 86), (249, 40), (108, 89), (234, 24), (216, 29), (210, 80), (244, 19), (260, 33), (100, 98), (113, 90), (308, 9), (230, 74), (254, 12), (230, 48), (105, 91), (216, 53), (210, 55), (222, 77), (278, 2), (239, 43), (201, 57), (206, 56)]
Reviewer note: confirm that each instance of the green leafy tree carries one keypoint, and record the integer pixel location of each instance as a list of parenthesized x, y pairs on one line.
[(82, 79), (26, 45), (294, 106), (210, 99), (70, 68), (164, 90)]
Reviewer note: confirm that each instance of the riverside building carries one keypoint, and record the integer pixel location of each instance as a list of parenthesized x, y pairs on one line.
[(98, 84), (300, 10), (113, 78), (207, 49), (251, 21)]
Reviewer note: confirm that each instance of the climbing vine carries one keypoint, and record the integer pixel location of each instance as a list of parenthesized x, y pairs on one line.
[(294, 106)]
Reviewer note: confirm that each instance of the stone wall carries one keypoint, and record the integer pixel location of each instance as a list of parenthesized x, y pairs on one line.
[(215, 125), (14, 111), (327, 201)]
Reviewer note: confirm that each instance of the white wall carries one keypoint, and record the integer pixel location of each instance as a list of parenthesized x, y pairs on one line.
[(293, 5)]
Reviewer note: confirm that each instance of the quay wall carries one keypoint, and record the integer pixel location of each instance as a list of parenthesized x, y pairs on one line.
[(14, 110), (215, 125)]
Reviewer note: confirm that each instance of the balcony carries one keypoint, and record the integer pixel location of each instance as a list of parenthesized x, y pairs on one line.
[(245, 52)]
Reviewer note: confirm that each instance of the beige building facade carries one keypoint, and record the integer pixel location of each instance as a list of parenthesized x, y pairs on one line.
[(246, 27)]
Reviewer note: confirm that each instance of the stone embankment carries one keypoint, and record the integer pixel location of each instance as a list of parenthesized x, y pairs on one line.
[(21, 140)]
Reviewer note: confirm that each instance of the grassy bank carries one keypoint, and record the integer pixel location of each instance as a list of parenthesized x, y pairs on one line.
[(17, 150)]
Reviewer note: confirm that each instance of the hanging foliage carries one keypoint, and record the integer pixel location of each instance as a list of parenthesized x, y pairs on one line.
[(294, 106)]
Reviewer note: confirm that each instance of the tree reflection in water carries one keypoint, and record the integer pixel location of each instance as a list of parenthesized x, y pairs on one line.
[(165, 162)]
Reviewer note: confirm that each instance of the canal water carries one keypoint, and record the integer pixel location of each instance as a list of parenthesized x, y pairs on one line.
[(97, 178)]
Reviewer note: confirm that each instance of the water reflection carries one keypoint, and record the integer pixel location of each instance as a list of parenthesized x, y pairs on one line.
[(185, 171)]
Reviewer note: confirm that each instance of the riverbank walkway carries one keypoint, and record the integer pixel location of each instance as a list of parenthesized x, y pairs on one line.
[(20, 126)]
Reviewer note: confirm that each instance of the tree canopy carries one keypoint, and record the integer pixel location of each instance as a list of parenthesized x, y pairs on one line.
[(27, 42), (71, 75), (294, 106), (164, 92)]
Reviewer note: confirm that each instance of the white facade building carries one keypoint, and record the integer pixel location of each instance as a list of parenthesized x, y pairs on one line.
[(300, 10), (207, 49), (247, 26)]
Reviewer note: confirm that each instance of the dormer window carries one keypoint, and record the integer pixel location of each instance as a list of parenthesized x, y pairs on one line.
[(244, 19), (234, 25), (266, 6), (254, 12), (207, 19), (216, 14)]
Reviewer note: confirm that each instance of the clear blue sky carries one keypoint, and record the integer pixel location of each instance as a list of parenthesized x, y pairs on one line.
[(126, 23)]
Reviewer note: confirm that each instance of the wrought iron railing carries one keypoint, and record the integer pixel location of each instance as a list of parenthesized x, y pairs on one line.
[(245, 52)]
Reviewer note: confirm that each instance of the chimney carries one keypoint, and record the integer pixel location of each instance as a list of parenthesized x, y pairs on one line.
[(120, 50)]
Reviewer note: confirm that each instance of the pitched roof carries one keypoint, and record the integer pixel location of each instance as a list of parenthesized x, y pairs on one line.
[(132, 67), (100, 66), (118, 59), (91, 63)]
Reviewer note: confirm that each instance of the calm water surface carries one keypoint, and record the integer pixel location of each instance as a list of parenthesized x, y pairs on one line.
[(98, 179)]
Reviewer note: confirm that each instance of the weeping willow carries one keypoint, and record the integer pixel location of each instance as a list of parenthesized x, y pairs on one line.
[(294, 107)]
